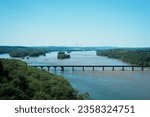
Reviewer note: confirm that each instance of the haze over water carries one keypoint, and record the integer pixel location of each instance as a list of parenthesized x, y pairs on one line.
[(99, 84)]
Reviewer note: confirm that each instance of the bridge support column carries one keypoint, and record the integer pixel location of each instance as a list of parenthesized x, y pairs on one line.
[(55, 68), (113, 68), (62, 68), (93, 68), (82, 68), (132, 68), (72, 68), (48, 68), (122, 68), (142, 68), (103, 68)]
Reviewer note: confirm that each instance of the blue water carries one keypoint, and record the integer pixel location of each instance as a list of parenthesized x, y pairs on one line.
[(111, 84), (99, 84)]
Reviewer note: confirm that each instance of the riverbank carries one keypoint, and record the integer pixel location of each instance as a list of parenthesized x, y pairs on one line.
[(132, 56)]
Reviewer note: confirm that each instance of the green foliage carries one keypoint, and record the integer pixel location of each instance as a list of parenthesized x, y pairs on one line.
[(62, 55), (32, 52), (83, 96), (1, 68), (132, 56), (7, 49), (17, 81)]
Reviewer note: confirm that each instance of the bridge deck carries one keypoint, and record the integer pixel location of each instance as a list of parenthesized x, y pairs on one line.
[(92, 66)]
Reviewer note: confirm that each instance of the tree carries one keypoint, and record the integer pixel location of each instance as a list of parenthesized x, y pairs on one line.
[(1, 68), (21, 82)]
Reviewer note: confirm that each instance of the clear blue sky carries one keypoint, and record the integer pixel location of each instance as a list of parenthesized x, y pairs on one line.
[(124, 23)]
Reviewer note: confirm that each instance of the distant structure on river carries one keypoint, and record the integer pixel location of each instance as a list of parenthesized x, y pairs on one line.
[(79, 48)]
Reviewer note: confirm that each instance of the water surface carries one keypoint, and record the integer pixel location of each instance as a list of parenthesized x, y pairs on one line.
[(99, 84)]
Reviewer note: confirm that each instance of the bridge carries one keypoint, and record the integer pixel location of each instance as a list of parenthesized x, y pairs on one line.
[(62, 67)]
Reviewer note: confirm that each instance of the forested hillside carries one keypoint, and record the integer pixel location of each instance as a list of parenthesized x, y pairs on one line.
[(132, 56), (32, 52), (7, 49), (17, 81)]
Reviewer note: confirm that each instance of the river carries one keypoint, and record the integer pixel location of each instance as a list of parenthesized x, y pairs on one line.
[(103, 85)]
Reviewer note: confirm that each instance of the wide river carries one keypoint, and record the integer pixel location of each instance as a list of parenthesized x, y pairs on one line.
[(99, 84)]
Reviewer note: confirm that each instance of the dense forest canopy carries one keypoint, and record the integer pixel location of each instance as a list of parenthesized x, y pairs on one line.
[(135, 56), (18, 81), (7, 49), (27, 52)]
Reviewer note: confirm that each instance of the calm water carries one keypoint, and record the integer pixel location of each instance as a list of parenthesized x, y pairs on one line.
[(99, 84)]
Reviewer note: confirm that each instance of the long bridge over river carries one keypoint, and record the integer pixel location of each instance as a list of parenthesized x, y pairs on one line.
[(102, 67)]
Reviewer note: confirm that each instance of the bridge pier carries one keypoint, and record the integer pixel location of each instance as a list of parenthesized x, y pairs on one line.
[(103, 68), (142, 68), (72, 68), (48, 68), (122, 68), (132, 68), (55, 68), (113, 68), (82, 68), (62, 68), (93, 68)]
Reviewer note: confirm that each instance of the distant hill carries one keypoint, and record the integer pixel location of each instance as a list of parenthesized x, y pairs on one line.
[(7, 49)]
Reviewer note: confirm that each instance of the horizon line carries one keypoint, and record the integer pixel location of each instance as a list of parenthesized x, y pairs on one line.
[(73, 46)]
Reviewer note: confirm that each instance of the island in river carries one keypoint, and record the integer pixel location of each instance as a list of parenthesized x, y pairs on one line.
[(63, 55)]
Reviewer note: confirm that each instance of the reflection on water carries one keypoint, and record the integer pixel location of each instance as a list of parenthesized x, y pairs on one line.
[(99, 84)]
